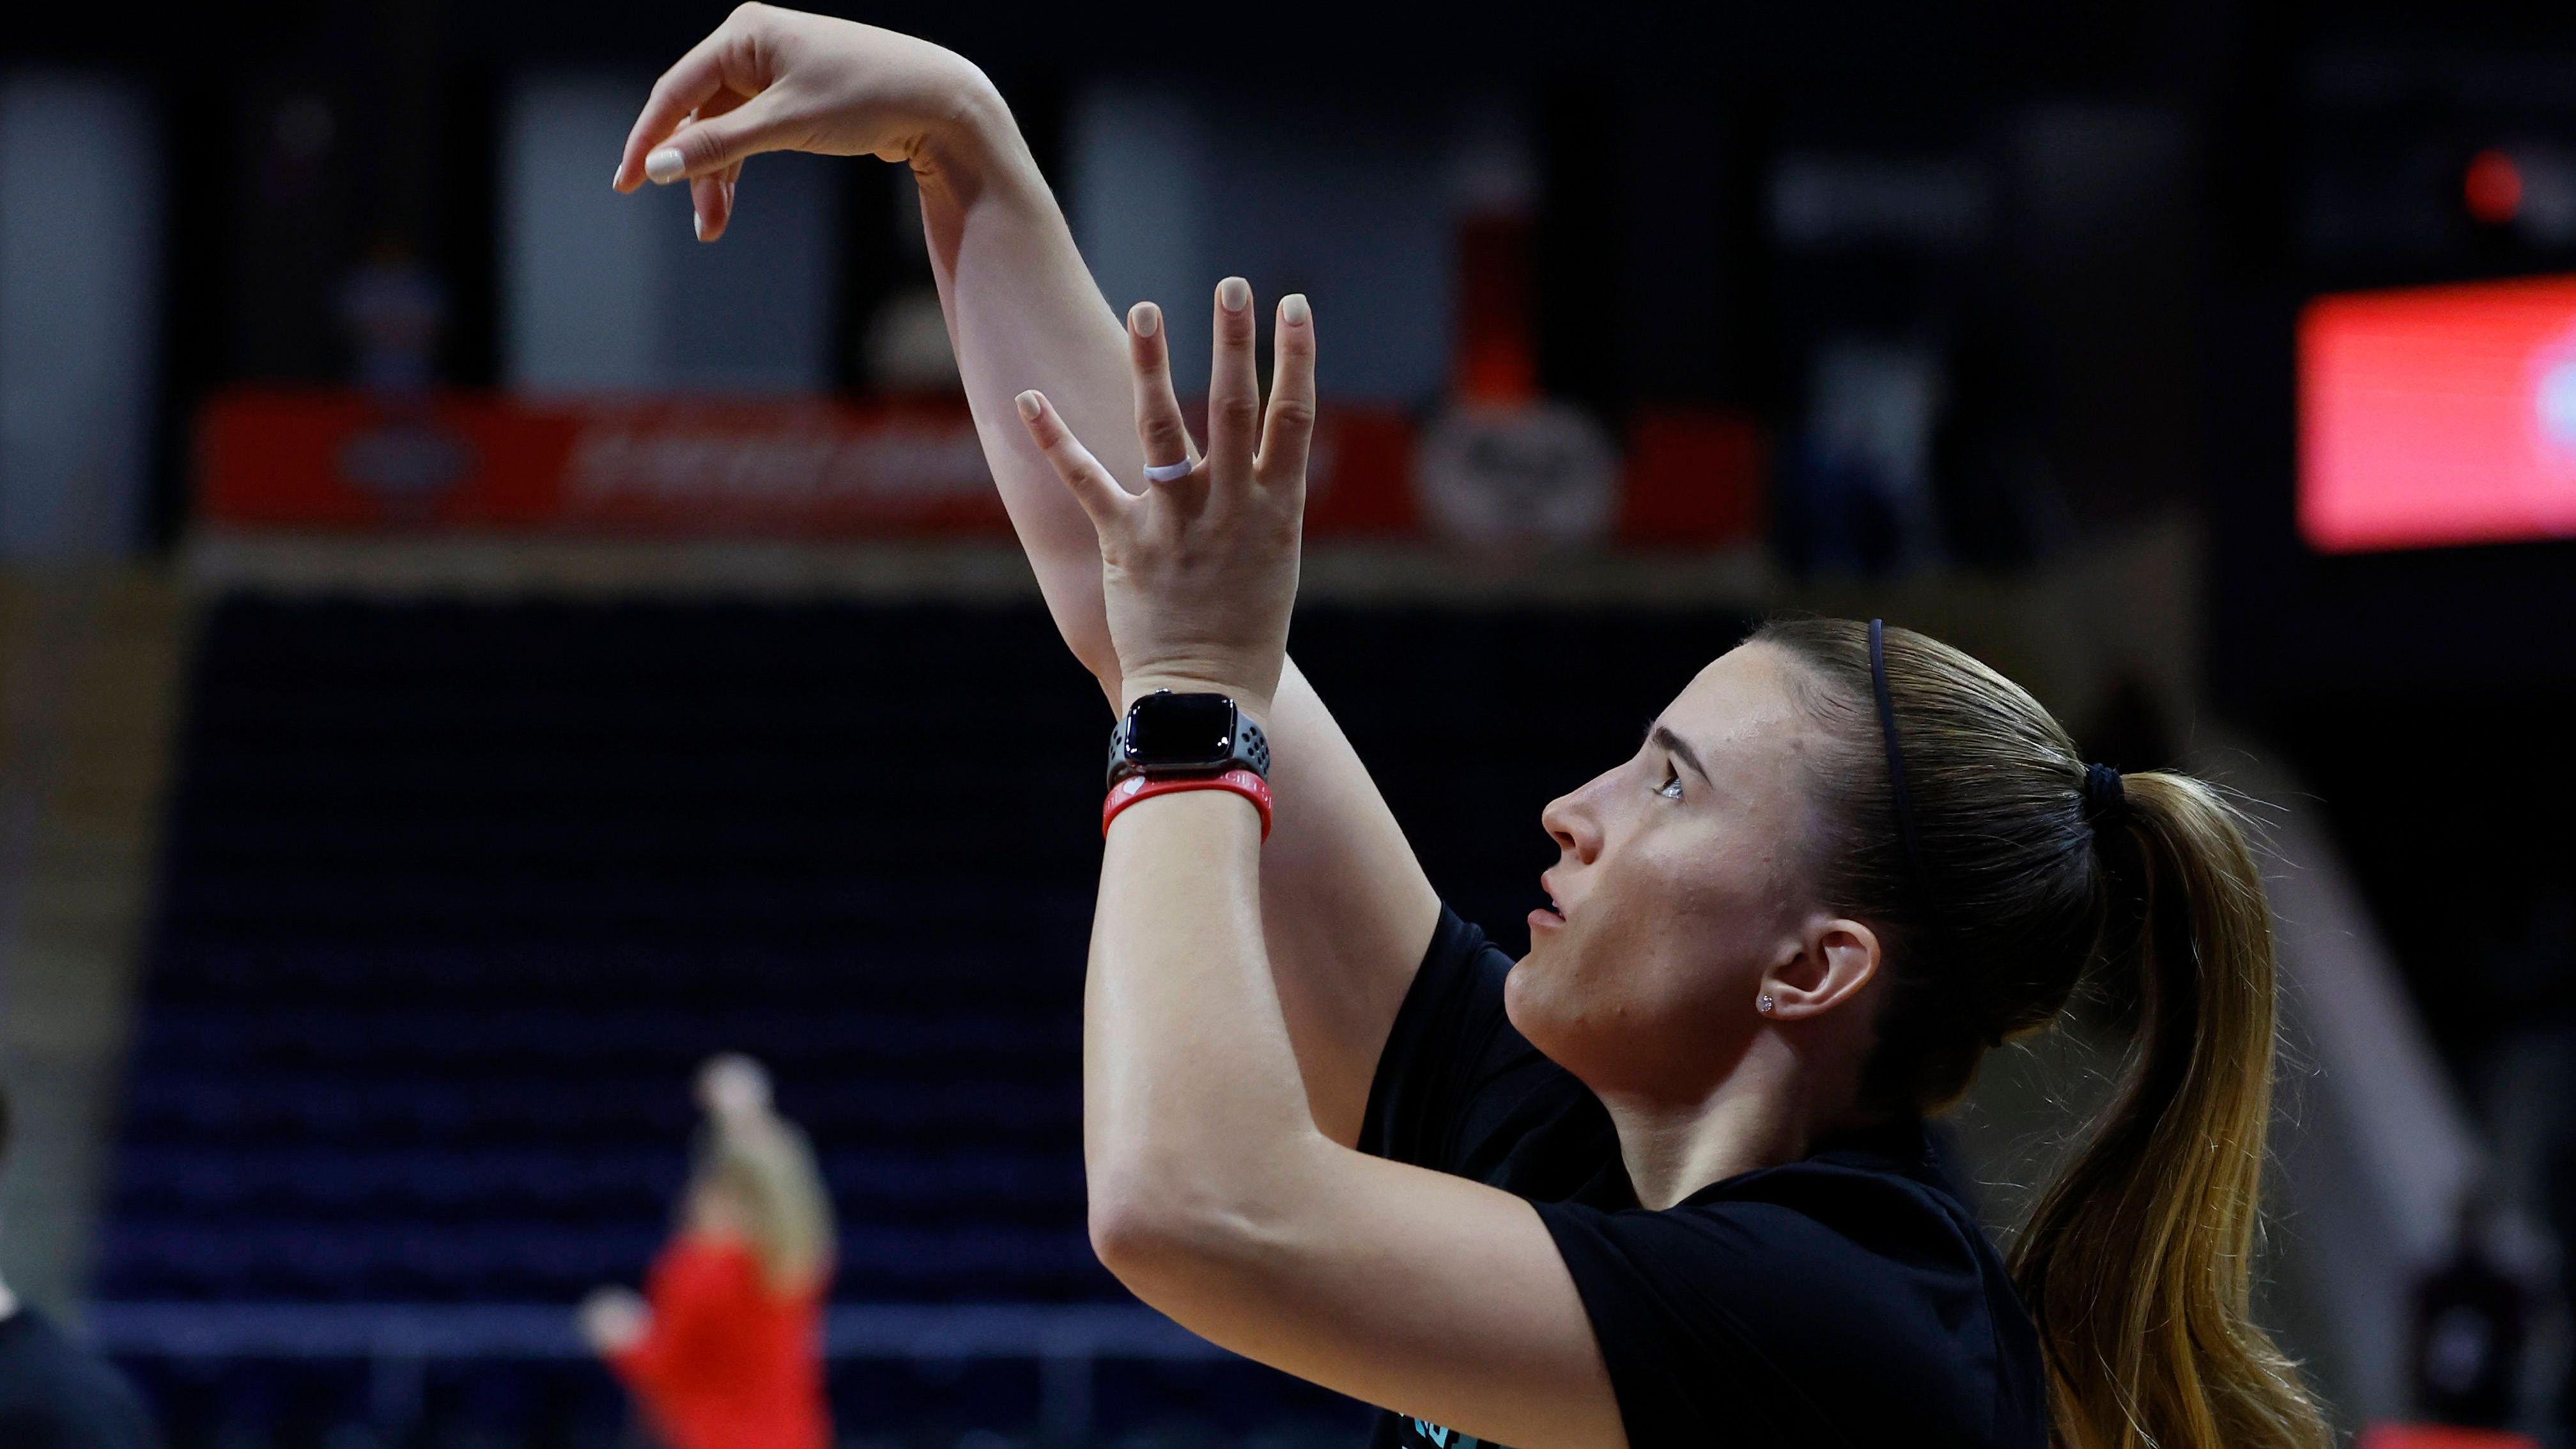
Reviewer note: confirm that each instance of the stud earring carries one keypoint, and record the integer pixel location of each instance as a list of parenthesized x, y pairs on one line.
[(1762, 1004)]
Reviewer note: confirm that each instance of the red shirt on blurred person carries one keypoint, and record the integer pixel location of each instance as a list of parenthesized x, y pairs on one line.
[(727, 1363)]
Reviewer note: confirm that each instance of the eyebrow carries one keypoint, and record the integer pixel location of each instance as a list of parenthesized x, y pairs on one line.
[(1680, 750)]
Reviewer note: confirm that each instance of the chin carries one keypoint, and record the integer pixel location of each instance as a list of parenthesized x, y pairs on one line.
[(1530, 1005)]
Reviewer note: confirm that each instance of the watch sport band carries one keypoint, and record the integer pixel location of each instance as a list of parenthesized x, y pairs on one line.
[(1144, 787)]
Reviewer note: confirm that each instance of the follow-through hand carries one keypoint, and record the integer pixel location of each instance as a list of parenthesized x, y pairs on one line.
[(779, 80), (1199, 560)]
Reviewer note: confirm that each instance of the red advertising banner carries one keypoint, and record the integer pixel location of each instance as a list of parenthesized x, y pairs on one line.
[(2438, 415), (1695, 479), (2440, 1436), (820, 469)]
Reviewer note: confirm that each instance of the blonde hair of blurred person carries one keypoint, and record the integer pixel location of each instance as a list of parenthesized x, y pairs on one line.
[(755, 1179)]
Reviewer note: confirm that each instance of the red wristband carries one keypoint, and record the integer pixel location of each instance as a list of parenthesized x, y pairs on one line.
[(1136, 787)]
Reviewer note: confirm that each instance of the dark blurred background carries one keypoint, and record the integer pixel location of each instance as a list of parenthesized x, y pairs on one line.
[(464, 646)]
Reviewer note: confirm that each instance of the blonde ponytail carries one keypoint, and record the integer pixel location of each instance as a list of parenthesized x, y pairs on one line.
[(2137, 1262), (2027, 869)]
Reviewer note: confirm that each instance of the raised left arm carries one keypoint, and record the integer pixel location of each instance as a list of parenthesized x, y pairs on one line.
[(1215, 1199), (1214, 1196)]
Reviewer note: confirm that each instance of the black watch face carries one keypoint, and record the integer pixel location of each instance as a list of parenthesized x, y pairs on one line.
[(1181, 729)]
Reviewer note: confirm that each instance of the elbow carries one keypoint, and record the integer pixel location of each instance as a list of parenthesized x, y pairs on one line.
[(1143, 1227), (1127, 1236), (1157, 1227)]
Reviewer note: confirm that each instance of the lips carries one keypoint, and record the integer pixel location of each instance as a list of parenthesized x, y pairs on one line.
[(1550, 916)]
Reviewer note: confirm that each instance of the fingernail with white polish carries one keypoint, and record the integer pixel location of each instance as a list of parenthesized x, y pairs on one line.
[(1292, 309), (1234, 294), (664, 166), (1029, 405), (698, 219), (1146, 318)]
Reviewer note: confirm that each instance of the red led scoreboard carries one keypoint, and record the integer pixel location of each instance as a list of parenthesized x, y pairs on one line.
[(2438, 415)]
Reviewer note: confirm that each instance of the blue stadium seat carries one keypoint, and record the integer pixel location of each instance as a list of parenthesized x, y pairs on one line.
[(455, 896)]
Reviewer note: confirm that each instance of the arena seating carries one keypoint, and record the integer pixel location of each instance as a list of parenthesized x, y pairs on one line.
[(455, 896)]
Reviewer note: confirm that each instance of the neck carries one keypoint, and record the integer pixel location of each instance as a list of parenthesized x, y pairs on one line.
[(1671, 1152), (1766, 1112)]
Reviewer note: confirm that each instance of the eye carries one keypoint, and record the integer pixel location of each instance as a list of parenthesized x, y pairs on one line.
[(1671, 789)]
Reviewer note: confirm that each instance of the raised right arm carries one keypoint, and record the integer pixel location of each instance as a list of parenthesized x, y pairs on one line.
[(1347, 911)]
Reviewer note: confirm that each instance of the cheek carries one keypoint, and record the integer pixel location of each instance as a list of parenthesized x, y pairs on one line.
[(1688, 924), (1663, 941), (1693, 900), (1648, 1013)]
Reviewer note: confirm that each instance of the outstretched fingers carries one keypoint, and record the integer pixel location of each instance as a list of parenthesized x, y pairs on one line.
[(1090, 484), (1289, 430), (1159, 424), (1234, 383)]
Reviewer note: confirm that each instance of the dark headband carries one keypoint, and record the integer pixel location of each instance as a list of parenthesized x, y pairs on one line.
[(1895, 760)]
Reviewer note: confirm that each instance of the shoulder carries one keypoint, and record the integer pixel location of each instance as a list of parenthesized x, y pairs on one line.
[(1803, 1240), (1848, 1209), (1461, 976), (1852, 1298)]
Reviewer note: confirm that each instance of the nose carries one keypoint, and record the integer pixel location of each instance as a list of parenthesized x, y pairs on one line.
[(1572, 823)]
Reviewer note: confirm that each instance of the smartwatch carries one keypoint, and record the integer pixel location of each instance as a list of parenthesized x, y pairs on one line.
[(1167, 736)]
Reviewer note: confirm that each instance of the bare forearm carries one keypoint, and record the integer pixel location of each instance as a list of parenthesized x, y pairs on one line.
[(1191, 1095), (1346, 910), (1217, 1201), (1349, 909), (1023, 312)]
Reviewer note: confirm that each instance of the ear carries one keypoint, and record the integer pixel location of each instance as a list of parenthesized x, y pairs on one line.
[(1835, 958)]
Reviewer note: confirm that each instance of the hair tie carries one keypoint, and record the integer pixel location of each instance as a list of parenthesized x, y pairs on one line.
[(2104, 795)]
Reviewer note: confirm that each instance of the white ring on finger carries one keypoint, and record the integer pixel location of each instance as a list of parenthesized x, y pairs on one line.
[(1168, 472)]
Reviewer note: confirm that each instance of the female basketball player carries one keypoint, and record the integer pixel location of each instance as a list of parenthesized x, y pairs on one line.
[(1664, 1181), (727, 1352)]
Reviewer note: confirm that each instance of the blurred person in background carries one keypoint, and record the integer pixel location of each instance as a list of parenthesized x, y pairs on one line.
[(2471, 1320), (52, 1394), (724, 1348), (1665, 1181)]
